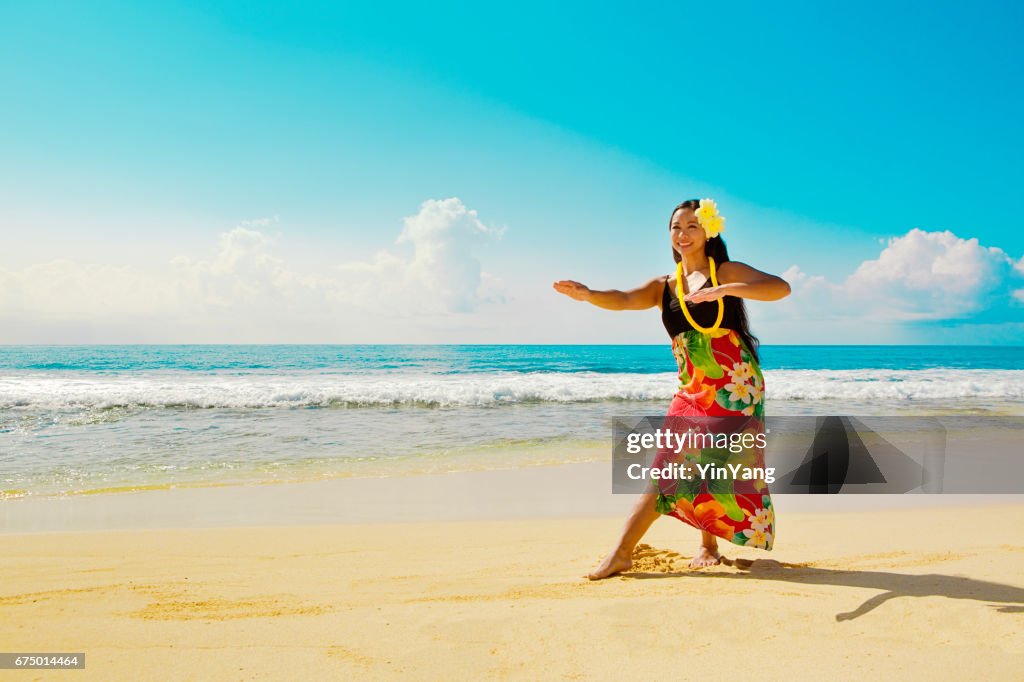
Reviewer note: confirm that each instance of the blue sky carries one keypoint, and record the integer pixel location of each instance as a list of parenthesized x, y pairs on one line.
[(233, 166)]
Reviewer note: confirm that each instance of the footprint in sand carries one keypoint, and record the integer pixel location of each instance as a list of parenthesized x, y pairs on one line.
[(647, 559), (227, 609)]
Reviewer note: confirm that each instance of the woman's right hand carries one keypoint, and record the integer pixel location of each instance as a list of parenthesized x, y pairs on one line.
[(572, 289)]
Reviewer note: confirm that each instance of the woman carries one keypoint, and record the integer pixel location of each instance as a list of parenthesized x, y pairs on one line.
[(719, 376)]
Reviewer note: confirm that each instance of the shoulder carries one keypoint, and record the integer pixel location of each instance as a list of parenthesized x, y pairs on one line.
[(647, 295), (735, 271), (655, 283)]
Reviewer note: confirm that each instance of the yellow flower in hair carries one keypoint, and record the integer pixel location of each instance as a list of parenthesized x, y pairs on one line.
[(706, 209), (709, 218)]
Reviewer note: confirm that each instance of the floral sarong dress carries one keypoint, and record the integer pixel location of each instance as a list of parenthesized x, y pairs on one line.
[(720, 379)]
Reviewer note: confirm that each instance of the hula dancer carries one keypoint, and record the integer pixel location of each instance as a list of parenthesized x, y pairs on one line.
[(719, 376)]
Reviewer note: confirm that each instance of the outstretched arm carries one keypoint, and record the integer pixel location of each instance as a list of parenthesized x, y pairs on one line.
[(641, 298), (741, 280)]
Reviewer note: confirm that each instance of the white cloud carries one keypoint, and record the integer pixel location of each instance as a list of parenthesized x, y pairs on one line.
[(931, 275), (443, 274), (444, 235), (246, 287), (919, 277)]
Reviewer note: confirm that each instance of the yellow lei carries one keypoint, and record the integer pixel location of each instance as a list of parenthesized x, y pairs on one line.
[(685, 307)]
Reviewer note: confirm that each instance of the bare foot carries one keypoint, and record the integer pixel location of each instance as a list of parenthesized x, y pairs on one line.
[(614, 563), (706, 556)]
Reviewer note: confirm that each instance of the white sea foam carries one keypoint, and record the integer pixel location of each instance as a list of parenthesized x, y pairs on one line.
[(896, 385), (37, 390)]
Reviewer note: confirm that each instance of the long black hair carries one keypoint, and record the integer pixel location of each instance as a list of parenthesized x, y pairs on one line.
[(714, 247)]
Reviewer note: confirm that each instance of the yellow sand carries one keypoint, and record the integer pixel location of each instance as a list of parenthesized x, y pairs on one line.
[(913, 593)]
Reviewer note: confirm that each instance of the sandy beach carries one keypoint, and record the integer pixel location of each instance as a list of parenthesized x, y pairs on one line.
[(914, 586), (339, 342)]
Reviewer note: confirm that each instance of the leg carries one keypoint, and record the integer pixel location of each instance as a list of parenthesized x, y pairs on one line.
[(708, 554), (621, 558)]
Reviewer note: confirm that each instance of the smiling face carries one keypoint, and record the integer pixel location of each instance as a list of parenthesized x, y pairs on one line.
[(685, 233)]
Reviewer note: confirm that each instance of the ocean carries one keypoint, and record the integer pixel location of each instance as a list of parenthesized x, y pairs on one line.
[(97, 419)]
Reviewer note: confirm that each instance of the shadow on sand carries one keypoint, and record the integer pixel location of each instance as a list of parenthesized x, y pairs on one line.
[(1007, 598)]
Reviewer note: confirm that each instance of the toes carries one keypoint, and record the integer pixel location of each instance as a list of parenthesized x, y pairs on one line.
[(705, 559)]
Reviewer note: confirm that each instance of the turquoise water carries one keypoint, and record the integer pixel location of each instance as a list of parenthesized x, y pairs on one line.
[(484, 358), (76, 419)]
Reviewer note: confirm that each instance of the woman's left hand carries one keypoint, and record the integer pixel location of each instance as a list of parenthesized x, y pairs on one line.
[(707, 294)]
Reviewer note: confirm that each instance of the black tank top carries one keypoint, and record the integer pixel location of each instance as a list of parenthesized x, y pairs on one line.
[(703, 314)]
